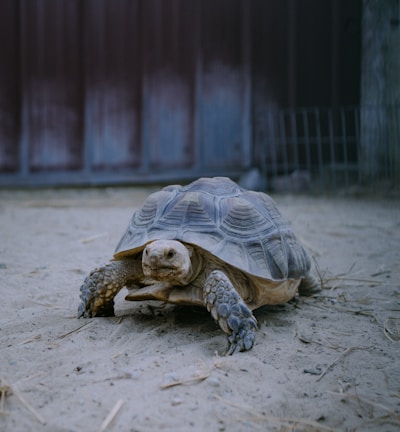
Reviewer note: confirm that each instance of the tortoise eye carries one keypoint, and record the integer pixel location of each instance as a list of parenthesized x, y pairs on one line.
[(170, 253)]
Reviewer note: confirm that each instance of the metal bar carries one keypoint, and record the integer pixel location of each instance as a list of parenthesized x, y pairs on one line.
[(198, 91), (319, 148), (332, 146), (395, 174), (294, 140), (272, 143), (343, 139), (283, 147), (357, 114), (24, 153), (291, 52), (307, 139), (261, 145), (246, 77)]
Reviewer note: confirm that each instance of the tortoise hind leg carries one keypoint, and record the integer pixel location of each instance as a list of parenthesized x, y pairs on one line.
[(103, 284), (309, 285), (230, 312)]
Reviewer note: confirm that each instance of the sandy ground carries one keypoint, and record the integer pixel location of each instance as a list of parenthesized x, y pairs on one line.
[(331, 362)]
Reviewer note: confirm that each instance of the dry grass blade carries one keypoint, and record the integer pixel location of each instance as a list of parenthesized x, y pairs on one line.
[(5, 390), (353, 279), (62, 336), (29, 407), (282, 422), (124, 376), (337, 359), (384, 419), (48, 305), (94, 237), (392, 335), (393, 415), (33, 338), (192, 380), (386, 333), (111, 415), (320, 276), (30, 377)]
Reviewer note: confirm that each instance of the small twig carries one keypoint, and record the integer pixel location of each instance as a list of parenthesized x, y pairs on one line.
[(305, 340), (37, 337), (368, 401), (364, 312), (345, 278), (29, 407), (29, 377), (126, 375), (94, 237), (111, 415), (47, 305), (387, 332), (321, 279), (117, 354), (75, 330), (282, 421), (338, 358), (386, 418), (380, 273), (195, 379), (5, 390), (351, 268)]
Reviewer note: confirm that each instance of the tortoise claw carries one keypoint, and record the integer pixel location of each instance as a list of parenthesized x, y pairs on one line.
[(243, 333), (242, 341)]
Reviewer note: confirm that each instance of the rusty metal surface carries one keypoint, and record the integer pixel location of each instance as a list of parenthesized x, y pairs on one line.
[(9, 94), (155, 90), (112, 79), (51, 117)]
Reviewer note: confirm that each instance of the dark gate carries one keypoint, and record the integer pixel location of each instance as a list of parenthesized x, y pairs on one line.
[(113, 91), (127, 90)]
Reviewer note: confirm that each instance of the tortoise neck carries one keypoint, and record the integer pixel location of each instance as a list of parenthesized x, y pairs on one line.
[(197, 265)]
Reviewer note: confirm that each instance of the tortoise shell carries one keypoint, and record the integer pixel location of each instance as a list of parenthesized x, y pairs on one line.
[(240, 227)]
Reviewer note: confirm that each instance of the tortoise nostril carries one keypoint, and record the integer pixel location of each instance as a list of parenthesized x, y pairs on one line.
[(153, 261), (170, 253)]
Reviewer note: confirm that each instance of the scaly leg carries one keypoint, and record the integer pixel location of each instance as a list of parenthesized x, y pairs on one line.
[(230, 312), (103, 284)]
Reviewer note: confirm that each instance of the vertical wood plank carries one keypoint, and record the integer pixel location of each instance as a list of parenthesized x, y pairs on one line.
[(224, 89), (9, 95), (51, 85), (112, 84), (168, 83)]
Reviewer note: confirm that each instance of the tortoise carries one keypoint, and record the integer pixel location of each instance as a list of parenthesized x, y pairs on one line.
[(210, 243)]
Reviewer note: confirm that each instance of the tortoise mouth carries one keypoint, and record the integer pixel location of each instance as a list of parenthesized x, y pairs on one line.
[(167, 293), (159, 272)]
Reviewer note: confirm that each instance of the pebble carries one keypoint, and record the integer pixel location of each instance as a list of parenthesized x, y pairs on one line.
[(213, 381), (176, 401), (170, 378)]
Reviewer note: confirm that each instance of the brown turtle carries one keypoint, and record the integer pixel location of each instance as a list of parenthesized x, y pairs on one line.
[(210, 243)]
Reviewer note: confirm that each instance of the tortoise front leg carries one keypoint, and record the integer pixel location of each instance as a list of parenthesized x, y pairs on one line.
[(230, 312), (103, 284)]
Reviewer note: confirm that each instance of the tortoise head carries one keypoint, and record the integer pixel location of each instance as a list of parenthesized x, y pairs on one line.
[(168, 261)]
